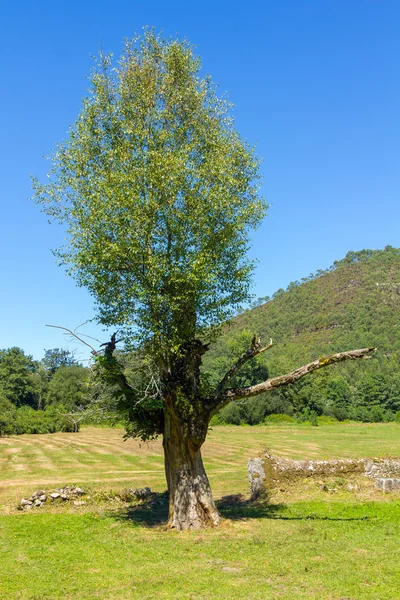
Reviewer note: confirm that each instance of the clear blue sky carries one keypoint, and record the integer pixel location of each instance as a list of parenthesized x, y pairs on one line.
[(316, 85)]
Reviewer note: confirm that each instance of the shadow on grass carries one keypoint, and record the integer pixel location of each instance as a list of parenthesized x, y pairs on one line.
[(153, 511)]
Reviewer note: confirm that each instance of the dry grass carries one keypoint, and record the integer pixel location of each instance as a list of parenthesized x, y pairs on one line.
[(100, 458)]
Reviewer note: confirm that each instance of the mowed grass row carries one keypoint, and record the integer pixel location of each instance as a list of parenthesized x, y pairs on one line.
[(100, 458), (336, 546)]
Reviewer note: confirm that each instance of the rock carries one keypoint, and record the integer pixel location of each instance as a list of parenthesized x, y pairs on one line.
[(142, 492), (28, 507), (55, 495), (38, 502), (42, 497), (387, 484), (79, 491), (79, 502), (25, 502), (256, 476), (64, 496)]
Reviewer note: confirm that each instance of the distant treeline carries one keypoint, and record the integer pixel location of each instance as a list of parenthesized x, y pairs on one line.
[(41, 396), (353, 304)]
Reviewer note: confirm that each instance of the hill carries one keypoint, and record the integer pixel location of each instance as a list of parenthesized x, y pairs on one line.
[(353, 304)]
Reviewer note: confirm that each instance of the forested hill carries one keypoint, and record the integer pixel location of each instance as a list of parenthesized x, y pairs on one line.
[(353, 304)]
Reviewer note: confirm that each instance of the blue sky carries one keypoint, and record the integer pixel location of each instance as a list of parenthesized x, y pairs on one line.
[(316, 86)]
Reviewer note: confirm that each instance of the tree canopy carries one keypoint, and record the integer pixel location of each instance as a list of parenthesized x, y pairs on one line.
[(159, 193)]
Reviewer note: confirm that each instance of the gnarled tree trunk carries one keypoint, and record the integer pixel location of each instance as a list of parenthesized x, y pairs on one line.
[(191, 505)]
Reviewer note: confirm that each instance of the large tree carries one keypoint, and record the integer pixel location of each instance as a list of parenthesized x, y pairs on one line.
[(159, 194), (19, 379)]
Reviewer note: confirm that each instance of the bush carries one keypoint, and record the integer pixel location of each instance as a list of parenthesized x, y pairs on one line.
[(215, 420), (389, 416), (279, 419), (231, 414), (308, 416), (16, 421), (326, 420)]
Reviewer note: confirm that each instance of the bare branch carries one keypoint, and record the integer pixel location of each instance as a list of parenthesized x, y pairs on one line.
[(253, 351), (73, 334), (277, 382), (111, 365)]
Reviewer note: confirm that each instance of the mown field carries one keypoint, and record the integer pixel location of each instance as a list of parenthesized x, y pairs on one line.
[(305, 543)]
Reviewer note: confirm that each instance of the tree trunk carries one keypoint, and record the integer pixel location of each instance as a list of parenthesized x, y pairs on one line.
[(191, 505)]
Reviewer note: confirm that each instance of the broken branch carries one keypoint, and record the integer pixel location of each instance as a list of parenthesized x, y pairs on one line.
[(253, 351), (277, 382)]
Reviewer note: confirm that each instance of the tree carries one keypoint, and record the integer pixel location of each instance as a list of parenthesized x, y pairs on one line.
[(69, 388), (58, 357), (159, 194), (18, 377)]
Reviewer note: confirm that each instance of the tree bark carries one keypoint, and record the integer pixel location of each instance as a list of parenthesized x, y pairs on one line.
[(191, 505)]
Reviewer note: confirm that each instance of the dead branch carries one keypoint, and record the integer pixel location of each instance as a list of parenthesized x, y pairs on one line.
[(253, 351), (73, 334), (277, 382)]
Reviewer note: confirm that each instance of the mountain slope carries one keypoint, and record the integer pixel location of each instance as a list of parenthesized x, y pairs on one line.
[(355, 303)]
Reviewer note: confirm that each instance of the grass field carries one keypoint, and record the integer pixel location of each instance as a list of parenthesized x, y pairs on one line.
[(306, 543)]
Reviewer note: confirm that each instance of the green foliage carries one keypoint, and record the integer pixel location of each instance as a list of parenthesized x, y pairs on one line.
[(158, 192), (354, 303), (69, 386), (18, 381), (58, 357), (279, 419), (34, 399), (15, 421)]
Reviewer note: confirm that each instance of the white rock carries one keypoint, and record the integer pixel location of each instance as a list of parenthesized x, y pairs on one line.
[(25, 502), (54, 495)]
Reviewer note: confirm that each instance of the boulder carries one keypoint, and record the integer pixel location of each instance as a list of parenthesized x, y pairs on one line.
[(26, 502), (388, 484)]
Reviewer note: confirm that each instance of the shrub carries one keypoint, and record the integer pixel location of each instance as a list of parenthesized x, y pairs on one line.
[(16, 421), (231, 414), (215, 420), (326, 420), (308, 416), (278, 419)]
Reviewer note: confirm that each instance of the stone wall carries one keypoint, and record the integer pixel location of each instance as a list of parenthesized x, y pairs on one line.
[(268, 471)]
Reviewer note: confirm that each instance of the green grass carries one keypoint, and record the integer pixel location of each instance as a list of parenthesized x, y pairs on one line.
[(307, 550), (305, 544)]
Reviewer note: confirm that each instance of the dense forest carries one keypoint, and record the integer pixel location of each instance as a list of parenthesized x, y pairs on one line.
[(354, 303)]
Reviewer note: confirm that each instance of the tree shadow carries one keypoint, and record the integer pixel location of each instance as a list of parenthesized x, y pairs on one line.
[(237, 507), (152, 511)]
